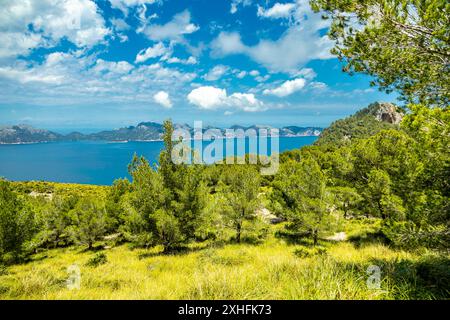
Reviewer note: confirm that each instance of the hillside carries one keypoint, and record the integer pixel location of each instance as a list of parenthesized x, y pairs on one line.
[(26, 134), (363, 124), (143, 131)]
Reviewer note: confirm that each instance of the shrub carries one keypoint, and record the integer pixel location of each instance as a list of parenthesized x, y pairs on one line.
[(434, 274), (98, 259), (3, 270), (408, 235), (90, 221), (16, 224), (309, 252), (255, 231)]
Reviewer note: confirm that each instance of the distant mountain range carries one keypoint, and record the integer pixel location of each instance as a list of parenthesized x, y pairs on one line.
[(144, 131), (364, 123)]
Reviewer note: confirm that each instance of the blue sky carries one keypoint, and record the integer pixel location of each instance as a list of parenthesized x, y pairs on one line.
[(101, 64)]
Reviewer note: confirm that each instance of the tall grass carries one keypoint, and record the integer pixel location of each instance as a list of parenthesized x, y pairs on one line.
[(270, 270)]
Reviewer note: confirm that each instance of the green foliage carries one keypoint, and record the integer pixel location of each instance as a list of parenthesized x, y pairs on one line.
[(404, 44), (90, 222), (168, 230), (167, 205), (56, 222), (361, 125), (400, 174), (114, 197), (301, 195), (147, 197), (239, 189), (191, 201), (45, 189), (167, 168), (406, 234), (150, 219), (385, 164), (304, 252), (16, 224), (380, 198), (430, 128), (346, 199), (97, 259)]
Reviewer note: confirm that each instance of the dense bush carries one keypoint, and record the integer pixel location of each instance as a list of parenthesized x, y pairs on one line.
[(16, 224), (304, 252), (97, 259)]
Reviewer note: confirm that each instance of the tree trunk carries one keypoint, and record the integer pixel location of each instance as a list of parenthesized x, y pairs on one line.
[(380, 207), (315, 237), (238, 233)]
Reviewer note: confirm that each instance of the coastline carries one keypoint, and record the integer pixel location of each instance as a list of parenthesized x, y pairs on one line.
[(20, 143), (127, 141)]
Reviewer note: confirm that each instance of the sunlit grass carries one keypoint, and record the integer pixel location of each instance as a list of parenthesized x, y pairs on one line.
[(234, 271)]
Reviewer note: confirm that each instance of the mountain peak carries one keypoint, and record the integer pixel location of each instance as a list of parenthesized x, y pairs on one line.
[(366, 122)]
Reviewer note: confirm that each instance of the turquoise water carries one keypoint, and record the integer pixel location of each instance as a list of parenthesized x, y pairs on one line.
[(90, 162)]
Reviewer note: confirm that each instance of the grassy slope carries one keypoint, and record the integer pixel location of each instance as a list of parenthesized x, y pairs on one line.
[(44, 187), (267, 271)]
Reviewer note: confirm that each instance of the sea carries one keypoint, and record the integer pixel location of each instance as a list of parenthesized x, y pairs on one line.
[(92, 162)]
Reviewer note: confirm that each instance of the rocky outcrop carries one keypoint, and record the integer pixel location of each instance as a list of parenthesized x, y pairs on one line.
[(387, 112)]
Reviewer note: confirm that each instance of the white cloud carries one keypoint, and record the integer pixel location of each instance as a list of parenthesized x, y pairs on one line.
[(119, 24), (76, 20), (54, 70), (316, 85), (279, 10), (191, 60), (236, 3), (306, 73), (120, 67), (122, 37), (228, 43), (80, 78), (216, 73), (287, 88), (16, 43), (246, 102), (294, 49), (299, 44), (124, 5), (262, 78), (157, 50), (241, 74), (160, 75), (174, 30), (233, 8), (144, 21), (210, 98), (207, 97), (24, 77), (163, 99)]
